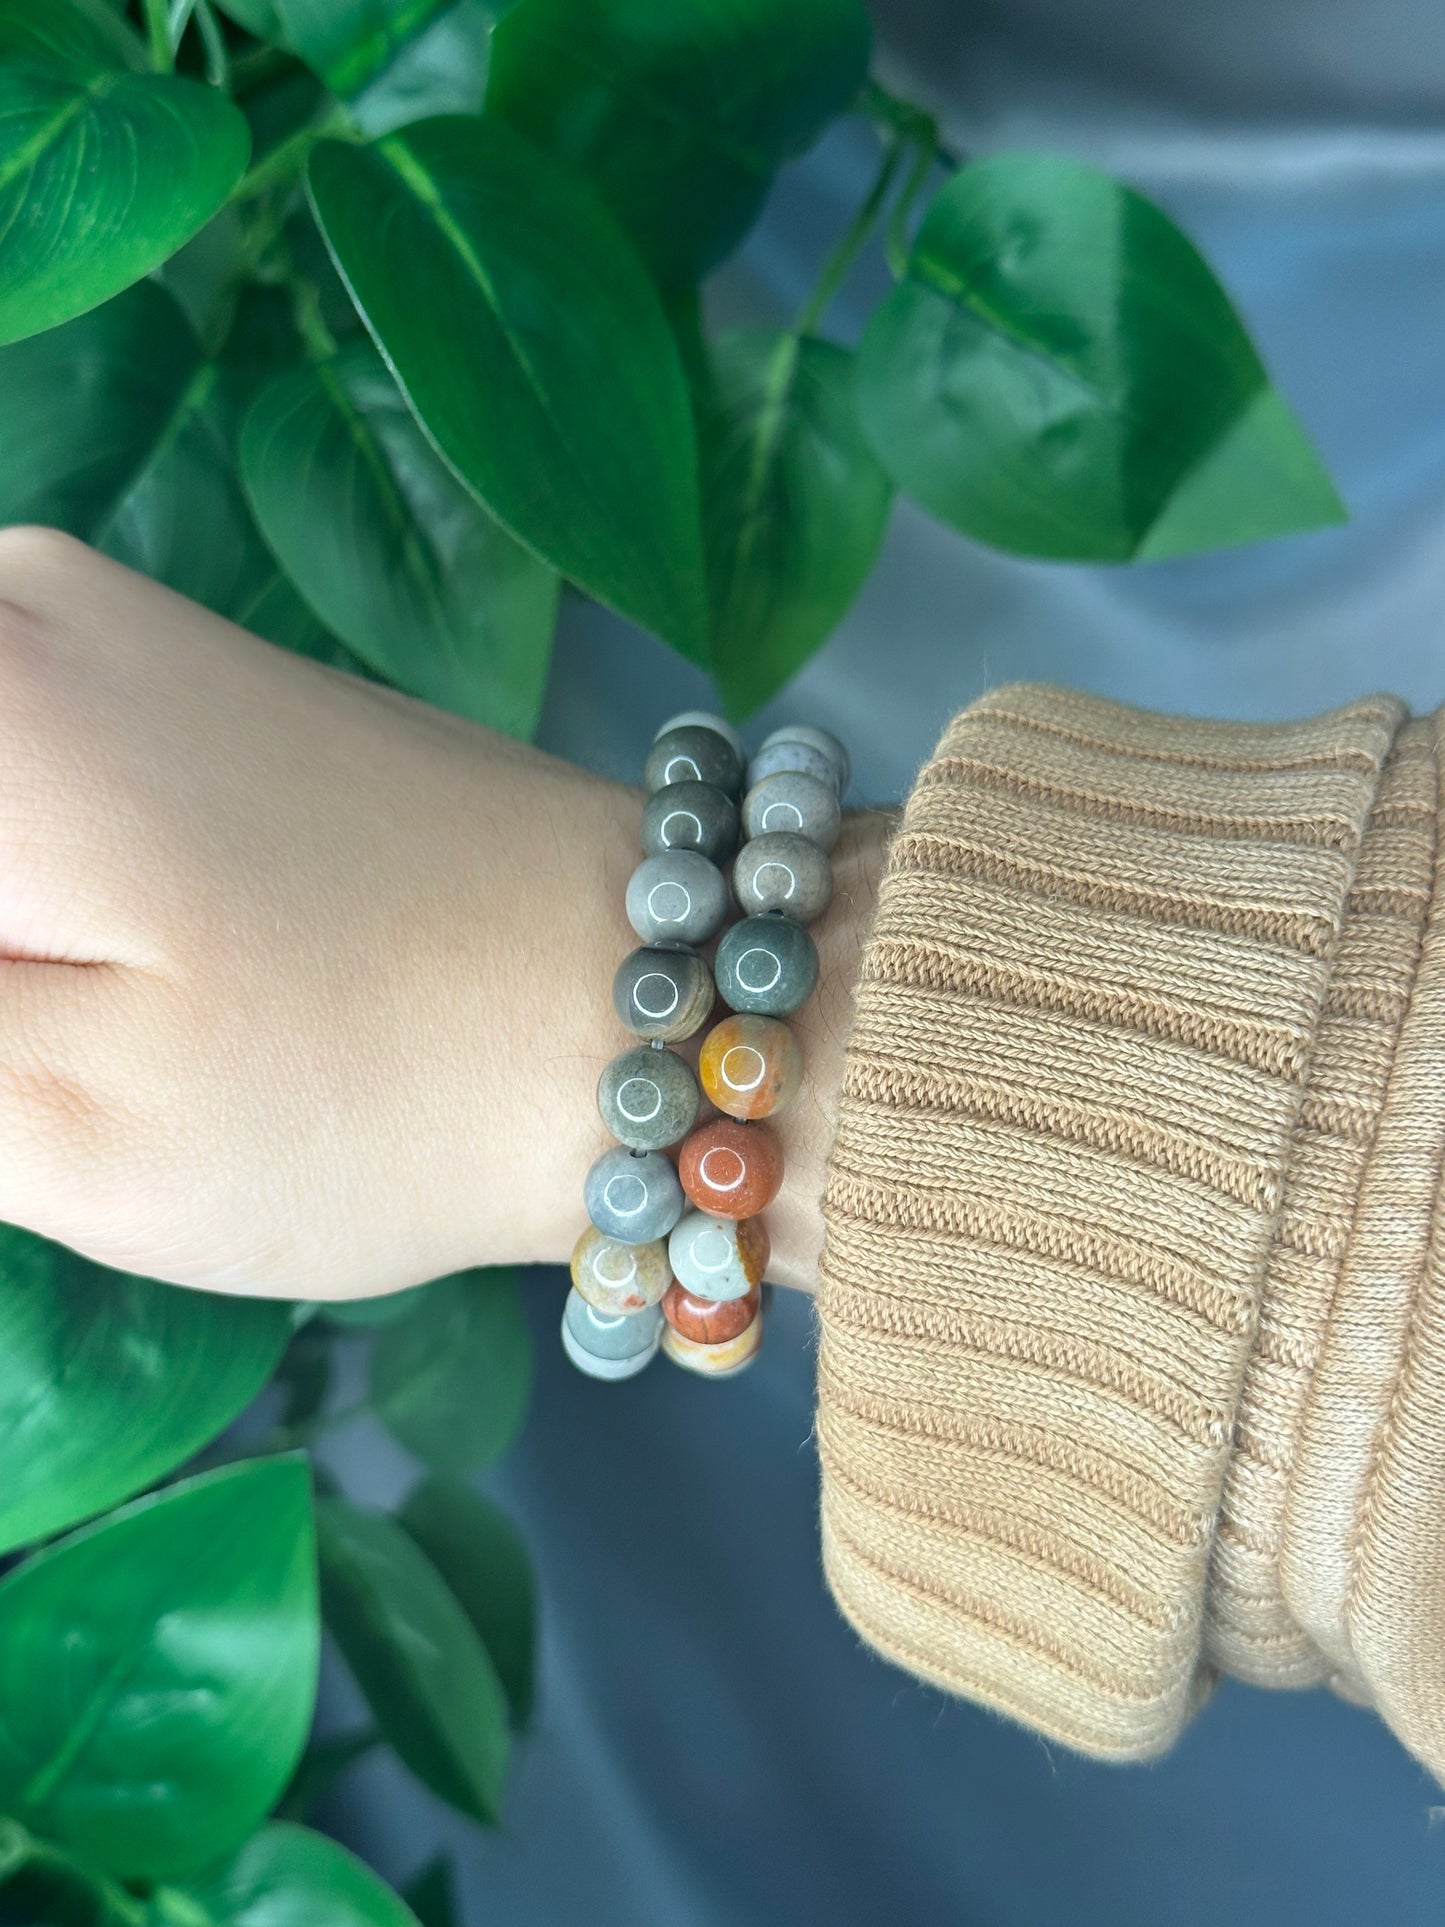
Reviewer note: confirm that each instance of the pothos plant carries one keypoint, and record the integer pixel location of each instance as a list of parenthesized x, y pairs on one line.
[(370, 324)]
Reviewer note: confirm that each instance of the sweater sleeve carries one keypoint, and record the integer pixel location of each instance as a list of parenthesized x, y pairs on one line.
[(1132, 1366)]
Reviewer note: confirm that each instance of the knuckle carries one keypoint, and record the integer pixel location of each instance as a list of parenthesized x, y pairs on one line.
[(32, 546)]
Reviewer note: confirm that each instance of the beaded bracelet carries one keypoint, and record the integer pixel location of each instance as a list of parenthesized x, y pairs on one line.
[(674, 1255)]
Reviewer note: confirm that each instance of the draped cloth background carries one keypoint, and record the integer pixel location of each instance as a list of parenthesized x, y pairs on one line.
[(715, 1748)]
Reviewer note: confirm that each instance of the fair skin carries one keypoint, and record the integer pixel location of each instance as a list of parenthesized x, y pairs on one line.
[(304, 986)]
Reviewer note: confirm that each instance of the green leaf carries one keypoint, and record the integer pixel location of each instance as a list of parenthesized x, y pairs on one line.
[(442, 71), (432, 1895), (533, 349), (451, 1381), (1061, 375), (115, 428), (392, 552), (425, 1674), (346, 42), (157, 1671), (481, 1555), (108, 1381), (679, 112), (104, 171), (794, 506), (287, 1876)]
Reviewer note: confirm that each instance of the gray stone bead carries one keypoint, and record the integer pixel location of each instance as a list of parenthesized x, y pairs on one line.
[(607, 1346), (633, 1196), (648, 1098), (819, 739), (782, 871), (691, 754), (678, 897), (768, 965), (705, 719), (663, 994), (690, 816), (799, 804), (801, 758), (612, 1334)]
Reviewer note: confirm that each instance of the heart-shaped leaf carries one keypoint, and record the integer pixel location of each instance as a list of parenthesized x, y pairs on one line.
[(533, 349), (108, 1382), (158, 1670), (287, 1876), (679, 112), (392, 552), (104, 171), (794, 506), (482, 1556), (1061, 375), (425, 1674), (451, 1380)]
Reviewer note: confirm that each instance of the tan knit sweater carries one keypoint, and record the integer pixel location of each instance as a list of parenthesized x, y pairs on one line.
[(1133, 1301)]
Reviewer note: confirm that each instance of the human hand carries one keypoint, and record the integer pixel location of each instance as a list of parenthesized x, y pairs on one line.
[(305, 987)]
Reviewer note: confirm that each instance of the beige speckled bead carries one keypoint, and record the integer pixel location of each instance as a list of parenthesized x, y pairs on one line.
[(616, 1278)]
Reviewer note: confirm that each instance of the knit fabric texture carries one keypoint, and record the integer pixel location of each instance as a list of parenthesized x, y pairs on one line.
[(1132, 1358)]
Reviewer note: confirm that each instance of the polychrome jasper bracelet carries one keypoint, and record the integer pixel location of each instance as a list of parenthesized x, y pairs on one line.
[(674, 1256)]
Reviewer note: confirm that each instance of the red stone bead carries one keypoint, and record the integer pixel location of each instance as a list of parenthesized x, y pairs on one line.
[(709, 1321), (731, 1170)]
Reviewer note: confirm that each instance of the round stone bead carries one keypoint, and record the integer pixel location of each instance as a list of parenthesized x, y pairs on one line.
[(690, 816), (822, 740), (709, 1321), (648, 1098), (617, 1279), (718, 1258), (608, 1346), (791, 801), (663, 994), (783, 871), (726, 1360), (801, 758), (688, 753), (633, 1196), (705, 719), (678, 897), (768, 965), (733, 1170), (750, 1066)]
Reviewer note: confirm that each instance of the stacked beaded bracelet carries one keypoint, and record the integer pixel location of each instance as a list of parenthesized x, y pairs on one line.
[(674, 1256)]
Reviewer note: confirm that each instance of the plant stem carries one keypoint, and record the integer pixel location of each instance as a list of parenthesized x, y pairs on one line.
[(835, 268), (158, 31), (218, 59), (896, 245), (19, 1848), (911, 122), (283, 165), (257, 65)]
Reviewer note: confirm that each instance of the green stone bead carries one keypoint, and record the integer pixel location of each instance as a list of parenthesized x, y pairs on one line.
[(666, 994), (690, 816), (767, 965), (648, 1098), (690, 753)]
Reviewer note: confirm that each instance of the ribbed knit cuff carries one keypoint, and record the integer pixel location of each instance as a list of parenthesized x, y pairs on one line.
[(1129, 1012)]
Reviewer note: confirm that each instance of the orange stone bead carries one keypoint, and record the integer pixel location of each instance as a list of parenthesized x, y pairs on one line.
[(751, 1066), (709, 1321), (731, 1170)]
